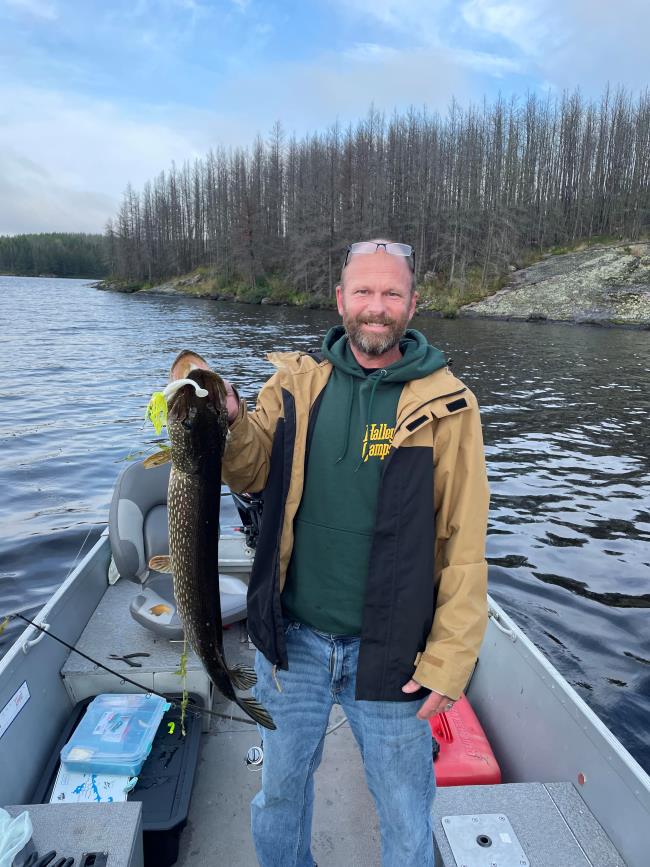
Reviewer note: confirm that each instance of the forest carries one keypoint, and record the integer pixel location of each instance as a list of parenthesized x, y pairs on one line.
[(475, 191), (53, 254)]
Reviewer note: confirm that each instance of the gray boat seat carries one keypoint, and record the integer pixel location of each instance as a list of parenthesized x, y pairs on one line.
[(137, 519), (138, 530)]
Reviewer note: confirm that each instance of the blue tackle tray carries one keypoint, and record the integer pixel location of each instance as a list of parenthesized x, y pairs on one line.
[(115, 734)]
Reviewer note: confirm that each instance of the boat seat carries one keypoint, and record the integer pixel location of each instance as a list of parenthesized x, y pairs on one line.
[(137, 520), (138, 530)]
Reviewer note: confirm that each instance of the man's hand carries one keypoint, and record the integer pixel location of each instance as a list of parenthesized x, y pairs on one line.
[(232, 402), (436, 703)]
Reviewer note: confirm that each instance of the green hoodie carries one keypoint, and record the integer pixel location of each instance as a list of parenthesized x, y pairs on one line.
[(334, 525)]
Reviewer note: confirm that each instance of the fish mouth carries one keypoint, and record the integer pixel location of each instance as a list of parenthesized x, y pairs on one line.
[(210, 391), (185, 361)]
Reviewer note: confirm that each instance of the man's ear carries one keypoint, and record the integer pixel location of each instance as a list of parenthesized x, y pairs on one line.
[(413, 304), (339, 298)]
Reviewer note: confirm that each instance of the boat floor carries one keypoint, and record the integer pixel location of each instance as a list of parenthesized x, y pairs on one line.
[(345, 828), (553, 823)]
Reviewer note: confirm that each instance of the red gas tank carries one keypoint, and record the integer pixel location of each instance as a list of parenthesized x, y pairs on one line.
[(465, 757)]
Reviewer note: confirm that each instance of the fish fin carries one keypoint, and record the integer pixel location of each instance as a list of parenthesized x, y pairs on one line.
[(160, 563), (255, 711), (242, 676), (162, 457)]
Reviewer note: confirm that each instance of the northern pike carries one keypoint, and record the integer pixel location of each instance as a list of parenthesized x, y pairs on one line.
[(197, 422)]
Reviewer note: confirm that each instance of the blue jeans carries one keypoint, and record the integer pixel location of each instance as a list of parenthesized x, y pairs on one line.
[(395, 747)]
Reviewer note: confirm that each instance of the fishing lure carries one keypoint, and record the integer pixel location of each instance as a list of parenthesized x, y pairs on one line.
[(156, 411)]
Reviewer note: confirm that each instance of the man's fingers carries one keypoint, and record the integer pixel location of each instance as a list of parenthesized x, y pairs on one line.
[(232, 401), (411, 686), (436, 702), (434, 705)]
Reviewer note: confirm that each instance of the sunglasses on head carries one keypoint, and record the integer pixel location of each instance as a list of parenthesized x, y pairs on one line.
[(393, 248)]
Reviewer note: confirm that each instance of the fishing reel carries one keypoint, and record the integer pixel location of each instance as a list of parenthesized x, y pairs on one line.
[(249, 507)]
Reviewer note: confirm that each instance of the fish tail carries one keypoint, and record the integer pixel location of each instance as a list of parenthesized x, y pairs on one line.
[(242, 676), (255, 711)]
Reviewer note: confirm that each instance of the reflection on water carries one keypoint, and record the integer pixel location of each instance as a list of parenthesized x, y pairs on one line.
[(565, 414)]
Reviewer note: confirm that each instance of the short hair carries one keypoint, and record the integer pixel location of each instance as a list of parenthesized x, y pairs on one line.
[(382, 241)]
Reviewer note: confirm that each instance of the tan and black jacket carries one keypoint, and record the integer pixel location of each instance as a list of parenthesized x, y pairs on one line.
[(425, 609)]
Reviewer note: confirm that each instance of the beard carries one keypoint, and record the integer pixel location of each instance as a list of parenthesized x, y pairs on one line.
[(374, 344)]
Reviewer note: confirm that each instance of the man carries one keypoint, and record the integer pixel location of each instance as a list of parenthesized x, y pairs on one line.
[(369, 583)]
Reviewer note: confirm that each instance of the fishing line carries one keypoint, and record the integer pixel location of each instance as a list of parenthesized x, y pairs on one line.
[(90, 529), (192, 708)]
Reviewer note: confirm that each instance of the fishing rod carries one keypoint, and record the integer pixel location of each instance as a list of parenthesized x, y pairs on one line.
[(192, 708)]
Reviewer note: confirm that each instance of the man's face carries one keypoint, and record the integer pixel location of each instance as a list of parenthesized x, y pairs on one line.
[(376, 303)]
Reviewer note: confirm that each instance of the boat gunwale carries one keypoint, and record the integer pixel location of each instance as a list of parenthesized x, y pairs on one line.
[(577, 706)]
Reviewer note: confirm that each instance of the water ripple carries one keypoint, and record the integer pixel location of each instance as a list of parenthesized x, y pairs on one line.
[(565, 414)]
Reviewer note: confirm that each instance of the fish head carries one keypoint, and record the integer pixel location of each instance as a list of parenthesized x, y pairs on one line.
[(198, 423), (185, 361)]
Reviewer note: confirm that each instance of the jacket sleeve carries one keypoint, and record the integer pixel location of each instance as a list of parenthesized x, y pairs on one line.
[(461, 505), (247, 455)]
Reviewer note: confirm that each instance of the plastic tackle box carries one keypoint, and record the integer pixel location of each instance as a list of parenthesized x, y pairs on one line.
[(115, 734)]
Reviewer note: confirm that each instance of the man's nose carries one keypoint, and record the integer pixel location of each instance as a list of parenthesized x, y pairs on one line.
[(376, 304)]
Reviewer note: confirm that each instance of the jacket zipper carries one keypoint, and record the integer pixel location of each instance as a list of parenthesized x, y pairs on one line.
[(392, 452)]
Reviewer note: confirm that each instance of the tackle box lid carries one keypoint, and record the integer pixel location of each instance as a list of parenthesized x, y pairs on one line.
[(115, 734)]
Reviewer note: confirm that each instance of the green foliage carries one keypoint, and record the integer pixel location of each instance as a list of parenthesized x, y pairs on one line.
[(53, 254), (182, 673)]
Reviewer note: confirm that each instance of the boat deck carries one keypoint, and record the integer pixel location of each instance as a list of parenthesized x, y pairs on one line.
[(552, 822), (345, 830), (550, 819)]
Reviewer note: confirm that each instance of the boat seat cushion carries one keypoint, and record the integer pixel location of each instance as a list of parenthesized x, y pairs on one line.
[(156, 532), (137, 517)]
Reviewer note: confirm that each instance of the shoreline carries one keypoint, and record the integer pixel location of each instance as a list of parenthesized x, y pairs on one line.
[(57, 277), (606, 285), (462, 313)]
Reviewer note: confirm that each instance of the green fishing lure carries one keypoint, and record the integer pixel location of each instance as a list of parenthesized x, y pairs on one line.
[(156, 411)]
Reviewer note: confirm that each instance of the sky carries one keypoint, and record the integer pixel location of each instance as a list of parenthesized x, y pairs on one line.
[(95, 94)]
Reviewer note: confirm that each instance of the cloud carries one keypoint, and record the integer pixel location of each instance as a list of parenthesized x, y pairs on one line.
[(64, 159), (34, 202), (309, 96), (43, 9), (423, 26), (527, 25), (401, 16), (575, 43), (543, 44)]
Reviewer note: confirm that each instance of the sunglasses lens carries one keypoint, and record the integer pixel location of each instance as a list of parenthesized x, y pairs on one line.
[(363, 247), (372, 247), (399, 249)]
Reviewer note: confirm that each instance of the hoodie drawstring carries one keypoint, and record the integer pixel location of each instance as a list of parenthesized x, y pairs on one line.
[(364, 427), (348, 415)]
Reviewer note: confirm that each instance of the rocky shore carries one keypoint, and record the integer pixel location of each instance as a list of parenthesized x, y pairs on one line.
[(602, 285)]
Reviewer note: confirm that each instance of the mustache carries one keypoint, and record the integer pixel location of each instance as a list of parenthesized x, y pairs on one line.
[(376, 320)]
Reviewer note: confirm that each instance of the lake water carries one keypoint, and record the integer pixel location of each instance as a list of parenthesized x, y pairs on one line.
[(565, 413)]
